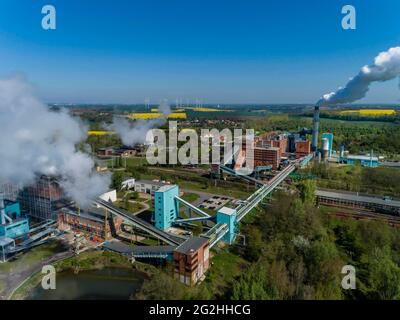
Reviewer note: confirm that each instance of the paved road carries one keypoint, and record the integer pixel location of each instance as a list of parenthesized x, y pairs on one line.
[(15, 279)]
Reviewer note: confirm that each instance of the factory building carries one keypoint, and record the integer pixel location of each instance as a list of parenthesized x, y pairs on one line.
[(267, 156), (13, 224), (42, 199), (92, 222), (292, 138), (9, 191), (365, 161), (116, 152), (191, 260), (148, 186), (166, 208), (303, 148), (281, 144)]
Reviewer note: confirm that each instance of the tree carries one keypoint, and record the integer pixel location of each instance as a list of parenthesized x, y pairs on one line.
[(116, 180), (384, 277), (254, 244), (307, 191)]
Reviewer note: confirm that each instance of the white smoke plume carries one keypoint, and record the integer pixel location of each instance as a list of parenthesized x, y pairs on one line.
[(132, 133), (386, 67), (164, 108), (35, 141)]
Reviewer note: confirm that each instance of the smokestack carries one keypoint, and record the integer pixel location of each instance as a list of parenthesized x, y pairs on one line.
[(2, 211), (314, 145)]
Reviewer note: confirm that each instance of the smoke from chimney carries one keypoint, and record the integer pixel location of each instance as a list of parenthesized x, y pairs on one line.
[(36, 141), (132, 133), (386, 67)]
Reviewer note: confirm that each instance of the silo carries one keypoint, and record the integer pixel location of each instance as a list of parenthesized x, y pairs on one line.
[(325, 148)]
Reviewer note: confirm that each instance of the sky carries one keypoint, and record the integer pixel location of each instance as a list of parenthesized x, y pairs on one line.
[(216, 51)]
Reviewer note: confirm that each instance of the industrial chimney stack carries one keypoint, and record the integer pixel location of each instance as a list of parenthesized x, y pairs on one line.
[(314, 145)]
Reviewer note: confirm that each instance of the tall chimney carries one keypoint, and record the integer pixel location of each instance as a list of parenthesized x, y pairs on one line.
[(2, 209), (314, 145)]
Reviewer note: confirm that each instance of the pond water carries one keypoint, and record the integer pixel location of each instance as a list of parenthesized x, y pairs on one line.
[(107, 283)]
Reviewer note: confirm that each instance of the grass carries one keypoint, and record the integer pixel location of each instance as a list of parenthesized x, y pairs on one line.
[(130, 162), (130, 206), (32, 257), (214, 189), (190, 197), (225, 268), (23, 291)]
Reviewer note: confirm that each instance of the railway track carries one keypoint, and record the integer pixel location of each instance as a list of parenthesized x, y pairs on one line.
[(393, 221)]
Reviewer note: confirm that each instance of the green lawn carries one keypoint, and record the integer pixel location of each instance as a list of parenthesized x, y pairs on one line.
[(32, 257), (190, 197)]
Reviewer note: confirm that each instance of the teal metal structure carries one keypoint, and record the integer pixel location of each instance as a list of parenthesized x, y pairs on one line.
[(13, 224), (166, 206), (227, 216)]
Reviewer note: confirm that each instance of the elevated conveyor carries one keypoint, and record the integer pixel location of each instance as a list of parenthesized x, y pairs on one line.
[(140, 223)]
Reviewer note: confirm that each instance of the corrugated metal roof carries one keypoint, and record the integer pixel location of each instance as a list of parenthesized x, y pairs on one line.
[(358, 198)]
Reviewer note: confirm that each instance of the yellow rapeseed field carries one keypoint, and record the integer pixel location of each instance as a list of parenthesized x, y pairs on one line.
[(371, 112), (99, 133), (156, 115), (202, 109)]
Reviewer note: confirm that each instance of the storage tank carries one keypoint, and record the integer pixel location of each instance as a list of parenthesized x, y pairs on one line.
[(325, 148), (341, 151)]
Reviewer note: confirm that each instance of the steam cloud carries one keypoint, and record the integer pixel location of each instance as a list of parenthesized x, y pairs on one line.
[(386, 67), (35, 140), (133, 133), (164, 108)]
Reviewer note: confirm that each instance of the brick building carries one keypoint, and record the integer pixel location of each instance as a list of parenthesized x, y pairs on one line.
[(267, 156), (303, 148), (191, 260)]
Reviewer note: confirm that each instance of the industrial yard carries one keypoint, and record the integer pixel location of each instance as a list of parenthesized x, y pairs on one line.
[(181, 217), (217, 152)]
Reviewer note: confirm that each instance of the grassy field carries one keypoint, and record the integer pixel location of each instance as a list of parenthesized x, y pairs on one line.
[(31, 257), (190, 197)]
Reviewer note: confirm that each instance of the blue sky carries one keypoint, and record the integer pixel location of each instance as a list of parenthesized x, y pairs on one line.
[(220, 51)]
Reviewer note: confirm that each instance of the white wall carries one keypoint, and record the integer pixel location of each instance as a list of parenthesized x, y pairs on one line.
[(128, 184), (112, 194)]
